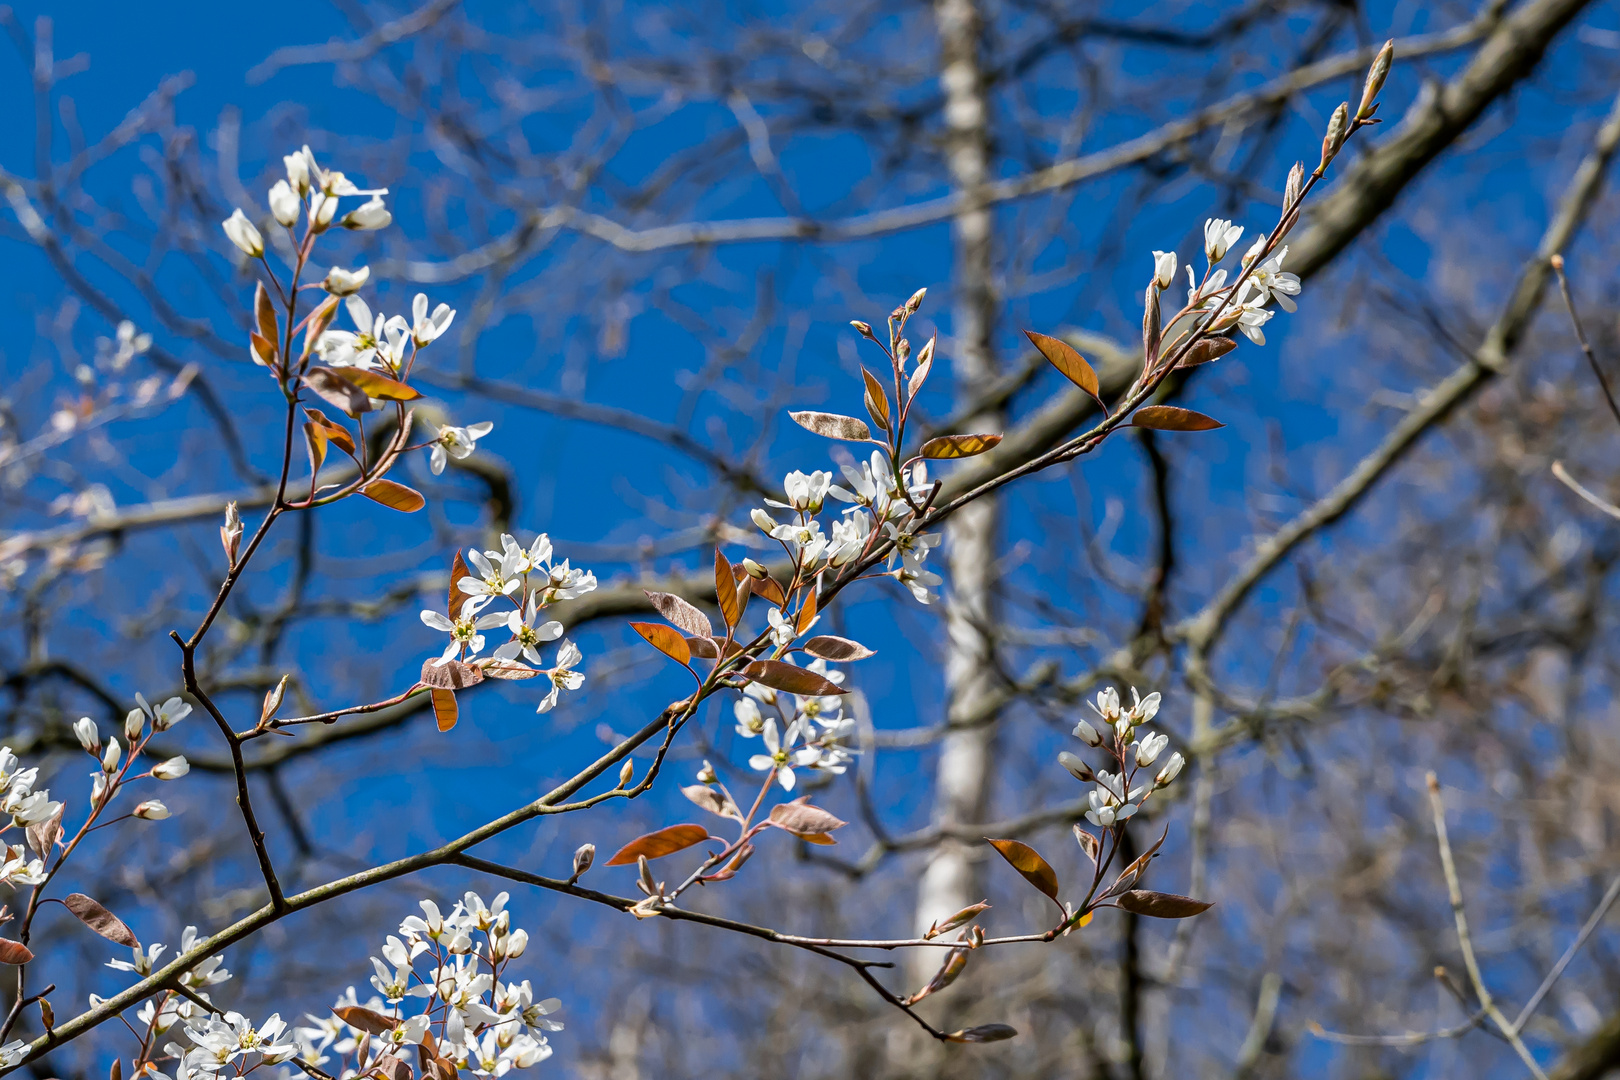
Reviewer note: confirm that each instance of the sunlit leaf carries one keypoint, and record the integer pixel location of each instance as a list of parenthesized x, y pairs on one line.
[(1063, 356), (655, 845), (833, 425), (836, 649), (315, 444), (958, 446), (1161, 905), (681, 614), (792, 679), (666, 640), (458, 570), (801, 818), (444, 707), (1028, 862), (807, 611), (378, 385), (336, 434), (1206, 349), (711, 800), (509, 670), (338, 390), (394, 496), (1172, 418), (99, 919), (725, 589), (877, 400), (452, 675), (955, 963), (363, 1019), (14, 952), (264, 313), (768, 588)]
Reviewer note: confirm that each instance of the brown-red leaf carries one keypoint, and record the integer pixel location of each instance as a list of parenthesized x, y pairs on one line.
[(394, 496), (838, 650), (444, 708), (453, 675), (1162, 905), (833, 425), (655, 845), (14, 952), (355, 1016), (1028, 862), (1172, 418), (1064, 357), (681, 614), (958, 446), (802, 819), (99, 919), (794, 680), (665, 639)]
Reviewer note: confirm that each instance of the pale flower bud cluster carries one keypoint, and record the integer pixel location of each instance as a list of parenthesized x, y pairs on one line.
[(1119, 794)]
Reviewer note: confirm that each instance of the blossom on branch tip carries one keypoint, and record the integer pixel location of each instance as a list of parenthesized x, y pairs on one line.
[(526, 636), (455, 442), (241, 232), (425, 329), (341, 282), (1219, 236), (1164, 268), (284, 203), (563, 676), (368, 215), (466, 632)]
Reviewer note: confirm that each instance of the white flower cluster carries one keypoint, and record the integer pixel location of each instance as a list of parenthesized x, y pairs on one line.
[(1118, 795), (113, 771), (879, 506), (379, 342), (801, 744), (532, 581), (1246, 310), (313, 192), (452, 964)]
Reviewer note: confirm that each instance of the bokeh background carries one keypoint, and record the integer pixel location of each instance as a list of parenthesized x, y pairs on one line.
[(1456, 618)]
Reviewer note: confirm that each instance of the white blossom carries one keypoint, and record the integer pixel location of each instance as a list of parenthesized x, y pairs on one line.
[(456, 442), (241, 232), (563, 676)]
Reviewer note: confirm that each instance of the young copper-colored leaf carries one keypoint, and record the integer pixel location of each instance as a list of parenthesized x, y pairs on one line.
[(319, 320), (336, 434), (1127, 877), (1087, 842), (961, 918), (264, 313), (816, 838), (958, 446), (877, 400), (1161, 905), (453, 675), (711, 800), (394, 496), (838, 650), (338, 390), (315, 443), (682, 614), (116, 1070), (925, 364), (655, 845), (1207, 349), (725, 589), (1172, 418), (833, 425), (807, 611), (444, 708), (391, 1067), (983, 1033), (794, 680), (458, 570), (14, 952), (373, 1023), (1063, 357), (955, 962), (706, 648), (802, 819), (666, 640), (769, 589), (99, 919), (43, 835), (1028, 862), (264, 348), (378, 385)]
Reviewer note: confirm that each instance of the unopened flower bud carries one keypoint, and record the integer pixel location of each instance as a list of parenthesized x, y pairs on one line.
[(173, 769), (1171, 770), (230, 533), (111, 756), (903, 351), (284, 204), (298, 170), (322, 209), (1076, 766), (517, 944), (1087, 734), (341, 282), (1295, 185), (916, 301), (1164, 268), (88, 734), (241, 232), (272, 700), (706, 775), (864, 329), (1333, 141), (368, 216), (584, 855), (1122, 727), (152, 810), (1375, 80), (626, 771), (760, 518), (755, 570), (134, 724)]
